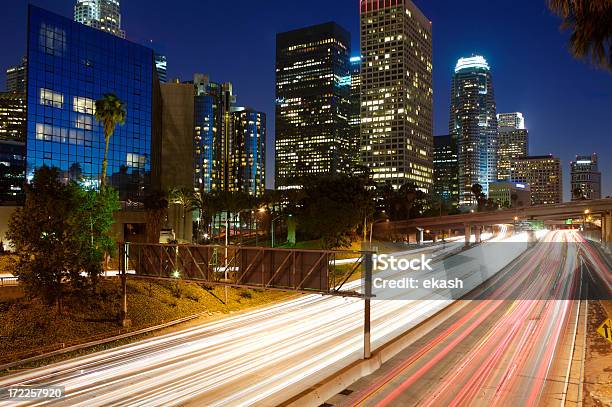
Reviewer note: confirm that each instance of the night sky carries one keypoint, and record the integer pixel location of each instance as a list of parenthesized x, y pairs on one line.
[(567, 103)]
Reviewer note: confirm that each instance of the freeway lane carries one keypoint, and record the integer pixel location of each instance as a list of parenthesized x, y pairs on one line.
[(493, 352), (262, 357)]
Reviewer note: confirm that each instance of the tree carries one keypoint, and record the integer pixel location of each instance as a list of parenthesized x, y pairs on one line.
[(590, 22), (60, 235), (110, 111), (155, 205), (481, 199), (333, 207), (577, 193)]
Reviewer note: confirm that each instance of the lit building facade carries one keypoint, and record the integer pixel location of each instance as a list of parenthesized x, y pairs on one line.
[(473, 126), (396, 96), (543, 174), (510, 194), (61, 128), (313, 90), (229, 141), (12, 147), (248, 151), (355, 117), (16, 77), (512, 142), (585, 178), (446, 170), (514, 120), (103, 15), (161, 66)]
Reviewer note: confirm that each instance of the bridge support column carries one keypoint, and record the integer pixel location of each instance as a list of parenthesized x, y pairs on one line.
[(468, 234), (420, 237), (478, 234), (606, 228)]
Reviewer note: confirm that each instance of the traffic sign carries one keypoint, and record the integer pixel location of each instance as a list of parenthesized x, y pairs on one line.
[(605, 330)]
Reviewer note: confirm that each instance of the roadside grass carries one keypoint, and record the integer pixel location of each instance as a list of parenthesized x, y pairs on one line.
[(28, 327)]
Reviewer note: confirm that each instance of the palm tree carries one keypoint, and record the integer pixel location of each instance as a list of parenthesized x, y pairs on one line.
[(591, 28), (110, 111)]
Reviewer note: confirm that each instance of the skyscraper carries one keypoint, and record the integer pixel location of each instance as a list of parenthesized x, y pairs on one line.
[(12, 147), (161, 66), (313, 89), (104, 15), (248, 151), (473, 126), (70, 66), (16, 77), (513, 142), (396, 95), (585, 178), (355, 117), (228, 141), (543, 175), (446, 170), (513, 120)]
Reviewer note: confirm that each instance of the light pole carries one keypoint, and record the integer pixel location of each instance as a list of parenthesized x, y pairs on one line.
[(374, 223)]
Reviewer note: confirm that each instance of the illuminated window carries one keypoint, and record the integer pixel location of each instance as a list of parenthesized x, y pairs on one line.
[(51, 98), (83, 105)]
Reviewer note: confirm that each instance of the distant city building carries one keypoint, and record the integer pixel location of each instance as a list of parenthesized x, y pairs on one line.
[(355, 117), (228, 141), (513, 120), (473, 126), (313, 90), (585, 178), (16, 77), (103, 15), (12, 147), (512, 142), (396, 93), (446, 170), (543, 174), (61, 128), (248, 151), (510, 194), (161, 66)]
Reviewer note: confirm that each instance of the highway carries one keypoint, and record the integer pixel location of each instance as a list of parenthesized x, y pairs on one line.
[(258, 358), (505, 349)]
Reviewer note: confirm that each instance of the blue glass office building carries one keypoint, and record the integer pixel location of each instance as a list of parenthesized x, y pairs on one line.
[(70, 66)]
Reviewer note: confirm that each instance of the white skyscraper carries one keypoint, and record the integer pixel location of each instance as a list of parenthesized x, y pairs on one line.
[(104, 15)]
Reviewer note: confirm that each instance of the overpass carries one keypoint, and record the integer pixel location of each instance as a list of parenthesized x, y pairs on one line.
[(601, 208)]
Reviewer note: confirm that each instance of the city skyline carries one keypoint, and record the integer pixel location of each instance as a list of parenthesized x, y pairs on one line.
[(538, 78)]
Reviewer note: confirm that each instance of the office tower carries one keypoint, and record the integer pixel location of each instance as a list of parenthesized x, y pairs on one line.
[(12, 147), (513, 120), (70, 66), (247, 151), (473, 126), (543, 175), (510, 194), (446, 170), (103, 15), (16, 77), (396, 95), (313, 89), (228, 141), (512, 142), (161, 66), (355, 117), (585, 178)]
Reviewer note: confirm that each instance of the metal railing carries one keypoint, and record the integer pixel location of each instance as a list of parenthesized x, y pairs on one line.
[(8, 281)]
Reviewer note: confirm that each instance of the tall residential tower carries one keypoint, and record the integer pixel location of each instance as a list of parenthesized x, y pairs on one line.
[(473, 126), (396, 93)]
